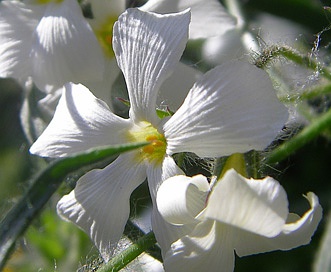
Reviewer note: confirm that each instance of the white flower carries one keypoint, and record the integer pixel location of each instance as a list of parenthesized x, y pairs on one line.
[(209, 18), (53, 43), (243, 215), (232, 108)]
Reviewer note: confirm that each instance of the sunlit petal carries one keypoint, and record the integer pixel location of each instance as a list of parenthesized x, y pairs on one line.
[(100, 202), (232, 108), (81, 121), (256, 206), (148, 47), (180, 198), (294, 233)]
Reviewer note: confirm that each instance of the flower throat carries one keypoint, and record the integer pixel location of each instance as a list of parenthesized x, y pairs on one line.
[(156, 150)]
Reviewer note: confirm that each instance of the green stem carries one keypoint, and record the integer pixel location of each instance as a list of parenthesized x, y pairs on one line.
[(128, 255), (133, 232), (309, 94), (306, 135), (274, 51), (43, 187)]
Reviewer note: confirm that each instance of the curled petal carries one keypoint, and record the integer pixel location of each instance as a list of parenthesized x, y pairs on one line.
[(100, 202), (81, 121), (209, 247), (180, 198), (147, 48), (232, 108), (65, 48), (294, 234), (259, 206), (165, 232)]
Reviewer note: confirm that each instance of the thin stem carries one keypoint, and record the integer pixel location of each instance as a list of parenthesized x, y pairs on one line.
[(306, 135), (133, 232), (308, 94), (270, 53), (128, 255)]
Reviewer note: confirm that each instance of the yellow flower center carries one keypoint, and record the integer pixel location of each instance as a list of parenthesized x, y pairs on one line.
[(156, 150), (104, 34)]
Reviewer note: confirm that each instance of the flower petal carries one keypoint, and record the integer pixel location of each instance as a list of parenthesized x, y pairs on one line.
[(209, 18), (258, 206), (180, 198), (293, 234), (17, 23), (232, 108), (65, 48), (208, 248), (165, 232), (81, 121), (100, 202), (157, 174), (174, 89), (147, 47)]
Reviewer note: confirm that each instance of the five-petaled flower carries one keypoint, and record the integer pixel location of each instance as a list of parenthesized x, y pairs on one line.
[(243, 215), (232, 108)]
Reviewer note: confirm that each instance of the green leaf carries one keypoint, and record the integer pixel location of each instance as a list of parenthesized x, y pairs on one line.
[(42, 188)]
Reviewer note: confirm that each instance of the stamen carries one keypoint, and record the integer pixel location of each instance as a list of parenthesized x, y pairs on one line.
[(154, 152)]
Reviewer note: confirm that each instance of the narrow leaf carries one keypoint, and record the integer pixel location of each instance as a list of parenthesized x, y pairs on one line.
[(43, 187)]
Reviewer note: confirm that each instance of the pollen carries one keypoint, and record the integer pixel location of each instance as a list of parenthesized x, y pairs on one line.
[(155, 151)]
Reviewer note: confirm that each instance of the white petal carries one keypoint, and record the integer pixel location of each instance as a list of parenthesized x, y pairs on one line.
[(258, 206), (294, 234), (180, 198), (147, 47), (233, 108), (17, 23), (174, 89), (229, 46), (65, 48), (157, 174), (208, 248), (165, 232), (100, 202), (48, 104), (81, 121), (209, 18)]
